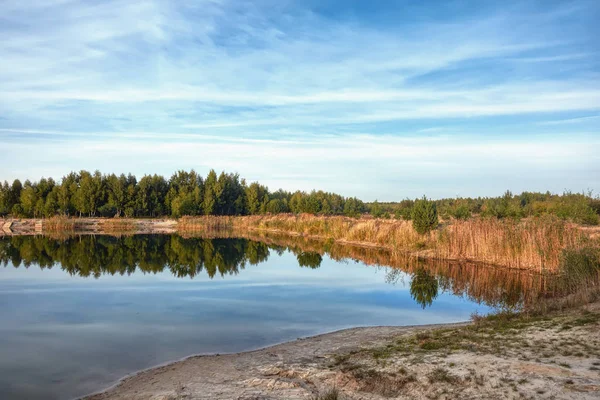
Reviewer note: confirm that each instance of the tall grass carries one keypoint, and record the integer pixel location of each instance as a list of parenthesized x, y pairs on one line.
[(534, 244), (385, 233), (59, 224), (118, 225), (579, 266), (204, 224)]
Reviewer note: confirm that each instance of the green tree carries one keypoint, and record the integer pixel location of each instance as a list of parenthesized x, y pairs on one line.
[(312, 203), (276, 206), (353, 207), (230, 195), (424, 216), (376, 210), (14, 196), (255, 195), (210, 197), (117, 193), (51, 207), (297, 202), (4, 199), (29, 198), (66, 192)]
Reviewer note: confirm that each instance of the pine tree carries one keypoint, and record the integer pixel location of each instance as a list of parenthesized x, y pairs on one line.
[(425, 216)]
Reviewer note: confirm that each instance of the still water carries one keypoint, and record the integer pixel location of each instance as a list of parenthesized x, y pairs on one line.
[(79, 313)]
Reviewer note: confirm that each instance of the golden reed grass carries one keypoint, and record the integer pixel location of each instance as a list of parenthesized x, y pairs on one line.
[(530, 244), (385, 233), (59, 224), (535, 244), (118, 225)]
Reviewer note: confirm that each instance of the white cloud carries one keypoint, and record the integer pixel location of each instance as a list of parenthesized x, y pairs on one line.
[(341, 164), (228, 54), (282, 93)]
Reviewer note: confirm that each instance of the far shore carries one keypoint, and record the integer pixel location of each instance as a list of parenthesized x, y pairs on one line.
[(533, 245), (556, 356)]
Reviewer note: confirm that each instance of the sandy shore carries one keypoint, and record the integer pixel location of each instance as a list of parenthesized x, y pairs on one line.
[(514, 357), (248, 375)]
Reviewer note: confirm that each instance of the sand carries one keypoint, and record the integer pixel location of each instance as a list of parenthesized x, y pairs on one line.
[(555, 356)]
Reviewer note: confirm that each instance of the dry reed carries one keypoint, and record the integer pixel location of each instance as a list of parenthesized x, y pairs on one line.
[(535, 244), (530, 244), (59, 224), (385, 233), (118, 225)]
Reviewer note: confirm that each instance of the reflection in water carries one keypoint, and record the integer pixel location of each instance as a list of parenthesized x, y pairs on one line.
[(138, 312), (97, 255), (423, 287), (309, 259), (494, 286), (93, 256)]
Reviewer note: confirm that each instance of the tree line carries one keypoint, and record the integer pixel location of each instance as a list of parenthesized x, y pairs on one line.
[(188, 193), (184, 193), (581, 208)]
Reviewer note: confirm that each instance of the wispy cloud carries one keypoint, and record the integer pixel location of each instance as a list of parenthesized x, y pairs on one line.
[(287, 73), (394, 166), (568, 121)]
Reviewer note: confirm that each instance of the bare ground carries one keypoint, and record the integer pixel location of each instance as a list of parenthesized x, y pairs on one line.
[(506, 356)]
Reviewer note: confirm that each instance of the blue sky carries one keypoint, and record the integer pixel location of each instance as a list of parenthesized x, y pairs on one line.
[(381, 100)]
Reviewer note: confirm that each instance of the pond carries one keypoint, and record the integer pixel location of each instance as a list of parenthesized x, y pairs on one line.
[(78, 313)]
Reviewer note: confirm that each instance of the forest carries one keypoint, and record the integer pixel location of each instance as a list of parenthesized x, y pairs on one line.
[(185, 193), (190, 194)]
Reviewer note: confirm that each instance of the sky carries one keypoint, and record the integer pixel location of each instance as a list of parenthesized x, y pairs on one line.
[(376, 99)]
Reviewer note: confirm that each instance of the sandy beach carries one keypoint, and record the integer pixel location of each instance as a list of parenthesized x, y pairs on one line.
[(556, 356)]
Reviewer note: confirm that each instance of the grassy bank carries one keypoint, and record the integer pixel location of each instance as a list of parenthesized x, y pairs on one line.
[(504, 355), (537, 244)]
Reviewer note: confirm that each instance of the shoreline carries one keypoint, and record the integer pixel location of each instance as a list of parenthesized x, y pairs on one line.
[(365, 333), (362, 232), (501, 356)]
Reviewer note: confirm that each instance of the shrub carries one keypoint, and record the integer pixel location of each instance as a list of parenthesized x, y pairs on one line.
[(595, 205), (425, 216), (403, 213), (376, 210), (461, 212)]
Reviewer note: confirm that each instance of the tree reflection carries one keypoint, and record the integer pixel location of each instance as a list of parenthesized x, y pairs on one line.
[(88, 256), (94, 256), (423, 287), (309, 259)]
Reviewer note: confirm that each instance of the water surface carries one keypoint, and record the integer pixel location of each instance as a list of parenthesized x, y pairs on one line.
[(79, 313)]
